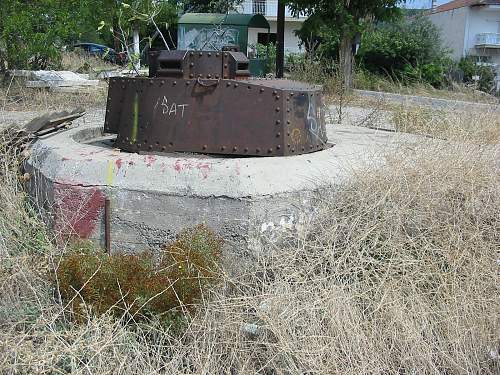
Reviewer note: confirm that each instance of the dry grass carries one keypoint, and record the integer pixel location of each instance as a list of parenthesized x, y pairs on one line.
[(458, 125), (368, 81), (15, 97), (399, 274), (84, 63)]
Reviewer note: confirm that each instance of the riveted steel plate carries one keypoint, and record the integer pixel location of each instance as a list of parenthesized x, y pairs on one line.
[(187, 106), (214, 116)]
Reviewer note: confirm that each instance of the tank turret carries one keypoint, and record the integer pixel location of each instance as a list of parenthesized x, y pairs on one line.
[(206, 102)]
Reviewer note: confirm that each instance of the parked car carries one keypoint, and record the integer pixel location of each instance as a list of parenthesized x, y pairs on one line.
[(104, 52)]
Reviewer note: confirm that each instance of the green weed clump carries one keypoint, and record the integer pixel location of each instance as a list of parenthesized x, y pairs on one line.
[(166, 285)]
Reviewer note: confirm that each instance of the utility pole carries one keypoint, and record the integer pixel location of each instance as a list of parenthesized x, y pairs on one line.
[(280, 40)]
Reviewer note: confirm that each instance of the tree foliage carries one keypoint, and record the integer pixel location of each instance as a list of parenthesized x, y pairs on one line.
[(392, 46), (346, 18), (210, 6), (33, 33)]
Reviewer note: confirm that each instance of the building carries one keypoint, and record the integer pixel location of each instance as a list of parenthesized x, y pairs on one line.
[(269, 8), (470, 28)]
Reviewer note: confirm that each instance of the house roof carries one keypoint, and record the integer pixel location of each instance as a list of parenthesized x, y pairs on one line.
[(455, 4), (249, 20)]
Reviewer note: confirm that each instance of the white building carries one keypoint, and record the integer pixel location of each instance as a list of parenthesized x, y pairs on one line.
[(470, 28), (269, 8)]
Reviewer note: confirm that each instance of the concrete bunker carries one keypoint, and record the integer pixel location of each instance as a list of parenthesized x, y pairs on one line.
[(154, 172)]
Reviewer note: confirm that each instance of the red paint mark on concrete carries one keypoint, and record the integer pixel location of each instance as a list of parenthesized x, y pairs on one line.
[(149, 160), (178, 166), (204, 168), (118, 163), (77, 210)]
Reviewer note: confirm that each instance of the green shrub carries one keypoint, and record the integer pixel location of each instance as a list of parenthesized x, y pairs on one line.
[(267, 52), (390, 47), (408, 50), (144, 285), (470, 69)]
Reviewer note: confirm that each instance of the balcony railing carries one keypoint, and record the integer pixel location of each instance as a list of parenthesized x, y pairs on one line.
[(259, 7), (491, 40), (268, 8)]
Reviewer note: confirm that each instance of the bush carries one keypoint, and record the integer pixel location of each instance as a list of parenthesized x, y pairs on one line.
[(470, 69), (141, 284), (390, 47), (267, 52), (26, 46), (408, 50)]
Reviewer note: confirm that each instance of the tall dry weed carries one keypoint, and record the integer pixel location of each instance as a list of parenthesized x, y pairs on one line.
[(399, 274), (456, 125)]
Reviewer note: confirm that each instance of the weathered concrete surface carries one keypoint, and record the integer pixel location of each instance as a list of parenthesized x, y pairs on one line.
[(154, 197)]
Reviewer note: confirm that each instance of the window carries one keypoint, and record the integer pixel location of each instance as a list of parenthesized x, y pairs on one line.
[(262, 38)]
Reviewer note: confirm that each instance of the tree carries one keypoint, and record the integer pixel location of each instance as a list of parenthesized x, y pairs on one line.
[(33, 33), (135, 17), (347, 18), (210, 6)]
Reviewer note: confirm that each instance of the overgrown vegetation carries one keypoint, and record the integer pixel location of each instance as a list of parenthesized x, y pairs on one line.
[(164, 286), (33, 34), (397, 274), (344, 19), (15, 97), (404, 52), (478, 74), (407, 50)]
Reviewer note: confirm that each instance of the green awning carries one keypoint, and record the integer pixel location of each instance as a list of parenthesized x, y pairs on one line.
[(249, 20)]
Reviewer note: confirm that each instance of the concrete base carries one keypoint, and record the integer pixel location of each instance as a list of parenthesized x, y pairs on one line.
[(154, 197)]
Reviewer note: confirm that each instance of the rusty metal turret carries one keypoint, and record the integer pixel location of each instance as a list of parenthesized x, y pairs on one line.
[(206, 102)]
